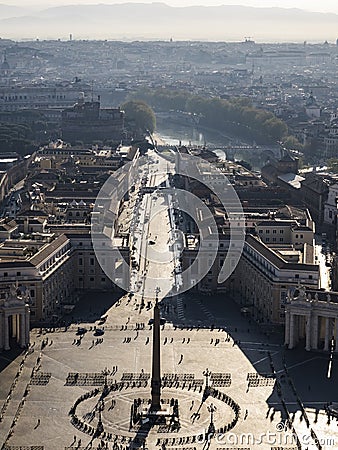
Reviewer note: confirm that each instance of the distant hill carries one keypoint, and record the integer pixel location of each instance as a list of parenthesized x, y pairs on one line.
[(7, 11), (160, 21)]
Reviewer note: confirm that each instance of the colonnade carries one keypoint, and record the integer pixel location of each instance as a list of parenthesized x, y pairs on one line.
[(314, 321), (14, 325)]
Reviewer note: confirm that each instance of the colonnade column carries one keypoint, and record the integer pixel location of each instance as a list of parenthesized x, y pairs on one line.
[(308, 332), (17, 328), (6, 333), (287, 328), (315, 319), (27, 327), (292, 331), (22, 330), (14, 326), (1, 332), (335, 331), (327, 333)]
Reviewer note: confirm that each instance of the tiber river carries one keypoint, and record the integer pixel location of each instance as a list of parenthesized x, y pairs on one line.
[(173, 133)]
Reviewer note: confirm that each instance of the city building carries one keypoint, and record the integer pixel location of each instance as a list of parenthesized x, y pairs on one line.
[(278, 254), (54, 268), (88, 122)]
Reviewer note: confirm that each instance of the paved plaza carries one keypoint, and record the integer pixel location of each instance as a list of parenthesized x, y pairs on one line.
[(43, 418), (230, 379)]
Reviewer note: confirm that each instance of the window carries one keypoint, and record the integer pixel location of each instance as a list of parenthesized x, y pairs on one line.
[(296, 275), (91, 278), (281, 239), (310, 277), (267, 239), (274, 231), (273, 239), (103, 280), (5, 274), (18, 274), (281, 231), (267, 231), (260, 231), (91, 261), (32, 293), (80, 262)]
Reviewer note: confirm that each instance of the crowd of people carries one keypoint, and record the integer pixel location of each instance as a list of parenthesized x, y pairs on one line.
[(25, 394)]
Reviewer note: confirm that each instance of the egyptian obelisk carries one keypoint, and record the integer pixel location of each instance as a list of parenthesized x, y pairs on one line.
[(156, 362)]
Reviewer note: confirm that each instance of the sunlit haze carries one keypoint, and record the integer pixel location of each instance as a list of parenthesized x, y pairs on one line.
[(310, 5)]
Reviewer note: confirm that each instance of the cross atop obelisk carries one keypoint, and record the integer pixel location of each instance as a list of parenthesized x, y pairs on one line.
[(156, 362)]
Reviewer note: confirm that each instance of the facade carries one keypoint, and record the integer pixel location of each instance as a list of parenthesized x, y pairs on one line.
[(263, 277), (54, 270), (314, 191), (14, 317), (278, 254), (311, 319), (39, 96), (330, 207), (87, 122)]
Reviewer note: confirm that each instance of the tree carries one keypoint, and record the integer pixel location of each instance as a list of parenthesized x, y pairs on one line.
[(139, 116), (237, 115), (292, 143)]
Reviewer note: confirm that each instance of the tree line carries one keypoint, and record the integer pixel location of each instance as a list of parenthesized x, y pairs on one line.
[(16, 138), (236, 116)]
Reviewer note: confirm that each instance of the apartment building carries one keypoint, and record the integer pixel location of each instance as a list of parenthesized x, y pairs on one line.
[(278, 254), (54, 268)]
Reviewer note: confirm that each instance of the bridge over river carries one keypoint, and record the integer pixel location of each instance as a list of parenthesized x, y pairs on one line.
[(231, 152)]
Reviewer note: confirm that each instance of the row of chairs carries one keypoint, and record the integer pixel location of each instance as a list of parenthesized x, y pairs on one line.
[(40, 379), (85, 379), (135, 376)]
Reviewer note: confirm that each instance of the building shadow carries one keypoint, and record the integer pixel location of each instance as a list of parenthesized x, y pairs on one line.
[(90, 307), (298, 378), (139, 440), (8, 356)]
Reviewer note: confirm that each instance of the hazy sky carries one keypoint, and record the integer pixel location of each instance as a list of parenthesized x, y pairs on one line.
[(312, 5)]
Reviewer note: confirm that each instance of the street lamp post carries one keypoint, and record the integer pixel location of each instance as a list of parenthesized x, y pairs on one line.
[(207, 374), (211, 429)]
